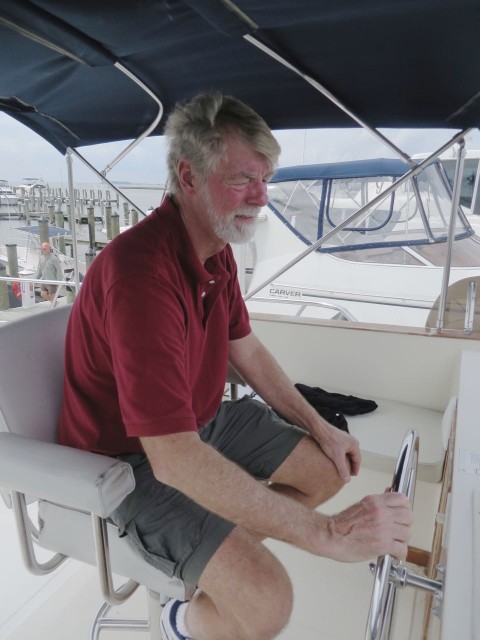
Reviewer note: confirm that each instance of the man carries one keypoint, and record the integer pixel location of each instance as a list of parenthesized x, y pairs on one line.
[(49, 268), (158, 316)]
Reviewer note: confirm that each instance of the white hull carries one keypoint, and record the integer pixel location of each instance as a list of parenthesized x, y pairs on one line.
[(384, 261)]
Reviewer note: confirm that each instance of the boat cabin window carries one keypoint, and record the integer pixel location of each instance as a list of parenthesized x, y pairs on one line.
[(417, 214)]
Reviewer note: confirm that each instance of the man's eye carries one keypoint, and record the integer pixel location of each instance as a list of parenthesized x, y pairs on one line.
[(238, 182)]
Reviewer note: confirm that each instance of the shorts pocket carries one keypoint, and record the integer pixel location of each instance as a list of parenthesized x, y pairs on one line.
[(165, 565)]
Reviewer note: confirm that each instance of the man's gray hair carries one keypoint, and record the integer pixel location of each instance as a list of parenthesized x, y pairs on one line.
[(196, 131)]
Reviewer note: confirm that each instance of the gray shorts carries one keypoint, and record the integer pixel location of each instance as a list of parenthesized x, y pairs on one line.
[(49, 288), (174, 533)]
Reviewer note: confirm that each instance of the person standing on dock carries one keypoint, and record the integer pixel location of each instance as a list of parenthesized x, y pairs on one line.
[(157, 319), (49, 268)]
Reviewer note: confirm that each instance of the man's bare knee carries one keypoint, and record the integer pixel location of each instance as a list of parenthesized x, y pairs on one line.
[(249, 588), (271, 611), (308, 475)]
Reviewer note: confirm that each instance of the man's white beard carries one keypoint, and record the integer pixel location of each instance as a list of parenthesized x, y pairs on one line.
[(227, 228)]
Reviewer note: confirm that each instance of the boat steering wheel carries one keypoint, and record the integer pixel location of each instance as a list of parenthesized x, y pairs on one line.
[(384, 589)]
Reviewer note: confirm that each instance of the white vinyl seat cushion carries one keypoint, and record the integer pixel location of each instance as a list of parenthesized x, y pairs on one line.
[(379, 430), (69, 531)]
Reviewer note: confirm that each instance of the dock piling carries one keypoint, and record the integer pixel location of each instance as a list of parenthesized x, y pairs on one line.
[(91, 226), (4, 302), (108, 219), (12, 260), (43, 230), (60, 222), (115, 225), (89, 257)]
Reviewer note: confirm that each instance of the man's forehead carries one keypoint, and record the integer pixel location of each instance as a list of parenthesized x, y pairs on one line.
[(241, 158)]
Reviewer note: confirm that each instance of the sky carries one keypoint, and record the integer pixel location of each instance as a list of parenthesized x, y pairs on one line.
[(25, 154)]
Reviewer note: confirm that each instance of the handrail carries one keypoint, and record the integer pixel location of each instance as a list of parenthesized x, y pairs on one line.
[(414, 303), (406, 468), (383, 595), (65, 283), (309, 303)]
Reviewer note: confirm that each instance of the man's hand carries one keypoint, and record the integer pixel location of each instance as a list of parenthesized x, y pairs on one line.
[(342, 449), (377, 525)]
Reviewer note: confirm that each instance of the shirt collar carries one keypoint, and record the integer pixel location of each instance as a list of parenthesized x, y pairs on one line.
[(169, 212)]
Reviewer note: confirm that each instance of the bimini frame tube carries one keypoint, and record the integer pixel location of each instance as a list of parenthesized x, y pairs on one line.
[(104, 179), (451, 234), (46, 43), (325, 92), (147, 131)]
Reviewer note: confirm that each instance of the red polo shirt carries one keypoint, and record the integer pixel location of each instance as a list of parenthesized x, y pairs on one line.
[(147, 340)]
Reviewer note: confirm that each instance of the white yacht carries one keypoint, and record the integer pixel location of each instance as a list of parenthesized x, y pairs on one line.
[(385, 267), (8, 198)]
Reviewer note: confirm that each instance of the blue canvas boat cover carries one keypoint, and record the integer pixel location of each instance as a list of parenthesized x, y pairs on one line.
[(394, 63), (338, 170)]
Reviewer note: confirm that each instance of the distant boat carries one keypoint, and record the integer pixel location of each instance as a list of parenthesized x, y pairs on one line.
[(30, 186), (8, 198)]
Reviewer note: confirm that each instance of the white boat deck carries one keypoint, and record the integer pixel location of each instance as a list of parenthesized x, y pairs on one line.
[(331, 599)]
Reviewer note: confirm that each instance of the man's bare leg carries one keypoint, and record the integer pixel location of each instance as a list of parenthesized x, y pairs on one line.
[(307, 475), (245, 594), (245, 591)]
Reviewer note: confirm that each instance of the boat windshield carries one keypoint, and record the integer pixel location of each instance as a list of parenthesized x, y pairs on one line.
[(417, 213)]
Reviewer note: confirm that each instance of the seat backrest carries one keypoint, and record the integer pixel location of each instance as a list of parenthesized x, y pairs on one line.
[(31, 373)]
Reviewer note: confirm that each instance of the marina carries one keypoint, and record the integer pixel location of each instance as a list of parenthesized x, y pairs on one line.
[(348, 283), (100, 215)]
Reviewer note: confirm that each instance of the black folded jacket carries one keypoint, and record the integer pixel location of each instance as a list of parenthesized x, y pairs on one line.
[(332, 406)]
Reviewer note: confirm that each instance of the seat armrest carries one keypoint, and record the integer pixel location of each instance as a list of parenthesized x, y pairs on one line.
[(71, 477)]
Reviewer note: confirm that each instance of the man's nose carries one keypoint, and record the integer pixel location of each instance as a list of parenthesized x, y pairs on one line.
[(258, 193)]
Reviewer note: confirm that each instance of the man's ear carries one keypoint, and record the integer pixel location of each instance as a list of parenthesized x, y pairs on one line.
[(185, 176)]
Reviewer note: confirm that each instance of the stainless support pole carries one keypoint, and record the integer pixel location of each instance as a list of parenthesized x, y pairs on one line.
[(24, 529), (111, 595), (470, 310), (149, 130), (451, 235), (73, 225), (401, 577)]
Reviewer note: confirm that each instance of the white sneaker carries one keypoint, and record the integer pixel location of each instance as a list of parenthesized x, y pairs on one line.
[(168, 621)]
